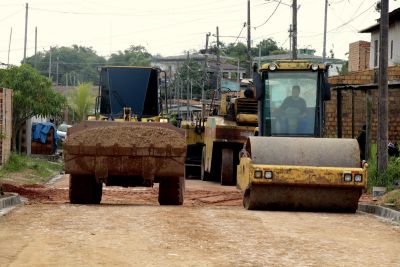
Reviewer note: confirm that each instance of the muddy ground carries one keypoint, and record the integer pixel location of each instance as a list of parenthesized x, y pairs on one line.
[(129, 228)]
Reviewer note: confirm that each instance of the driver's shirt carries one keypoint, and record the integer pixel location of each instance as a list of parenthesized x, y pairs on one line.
[(294, 102)]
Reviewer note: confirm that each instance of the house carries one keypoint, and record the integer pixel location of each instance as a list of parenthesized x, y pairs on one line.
[(172, 63), (393, 40), (355, 95)]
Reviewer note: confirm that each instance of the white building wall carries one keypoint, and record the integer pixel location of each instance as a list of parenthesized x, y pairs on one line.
[(394, 34)]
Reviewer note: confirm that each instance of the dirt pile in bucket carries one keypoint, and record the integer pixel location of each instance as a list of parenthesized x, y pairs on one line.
[(141, 136)]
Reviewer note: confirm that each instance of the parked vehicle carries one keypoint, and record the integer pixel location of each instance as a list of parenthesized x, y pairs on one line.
[(62, 131)]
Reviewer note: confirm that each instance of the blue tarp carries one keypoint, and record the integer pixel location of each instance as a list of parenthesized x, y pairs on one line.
[(41, 130)]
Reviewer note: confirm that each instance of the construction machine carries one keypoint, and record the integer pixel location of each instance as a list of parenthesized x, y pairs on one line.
[(289, 166), (127, 142), (226, 132)]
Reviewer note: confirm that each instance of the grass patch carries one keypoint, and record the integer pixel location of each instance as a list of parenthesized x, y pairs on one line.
[(387, 178), (392, 199), (22, 169)]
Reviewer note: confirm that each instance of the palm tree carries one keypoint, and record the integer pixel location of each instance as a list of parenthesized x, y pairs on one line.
[(81, 100)]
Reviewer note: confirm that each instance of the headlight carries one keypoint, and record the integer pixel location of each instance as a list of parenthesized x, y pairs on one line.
[(163, 120), (258, 174), (268, 174), (272, 66), (314, 66), (358, 178), (347, 177)]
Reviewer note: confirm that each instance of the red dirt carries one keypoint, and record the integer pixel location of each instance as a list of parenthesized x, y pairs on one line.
[(197, 193), (142, 136)]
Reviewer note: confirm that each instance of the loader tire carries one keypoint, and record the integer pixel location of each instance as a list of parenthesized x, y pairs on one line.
[(171, 190), (84, 190)]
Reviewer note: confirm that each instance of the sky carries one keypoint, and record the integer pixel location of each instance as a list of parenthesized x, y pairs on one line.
[(171, 27)]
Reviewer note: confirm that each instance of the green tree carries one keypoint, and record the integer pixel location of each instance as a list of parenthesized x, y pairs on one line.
[(76, 64), (133, 56), (32, 96), (267, 46), (190, 72), (81, 100)]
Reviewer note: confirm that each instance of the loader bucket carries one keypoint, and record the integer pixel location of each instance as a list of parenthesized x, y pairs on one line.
[(303, 174), (125, 149)]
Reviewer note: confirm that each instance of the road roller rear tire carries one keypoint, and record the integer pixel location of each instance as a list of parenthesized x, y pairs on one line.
[(171, 190), (227, 167), (204, 175), (246, 199)]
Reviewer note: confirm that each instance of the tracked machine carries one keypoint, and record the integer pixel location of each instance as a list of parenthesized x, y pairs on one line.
[(127, 142), (290, 166)]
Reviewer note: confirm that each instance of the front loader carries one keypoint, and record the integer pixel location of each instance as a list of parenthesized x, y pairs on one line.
[(127, 142)]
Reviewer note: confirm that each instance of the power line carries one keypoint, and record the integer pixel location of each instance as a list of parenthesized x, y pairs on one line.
[(244, 26), (255, 28), (12, 14), (343, 24)]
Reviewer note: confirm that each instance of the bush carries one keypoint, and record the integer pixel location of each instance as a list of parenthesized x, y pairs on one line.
[(387, 178)]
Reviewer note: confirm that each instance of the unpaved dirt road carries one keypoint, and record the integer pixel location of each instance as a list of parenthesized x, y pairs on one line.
[(211, 229)]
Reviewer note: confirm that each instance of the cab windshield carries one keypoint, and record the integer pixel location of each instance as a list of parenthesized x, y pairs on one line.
[(289, 103)]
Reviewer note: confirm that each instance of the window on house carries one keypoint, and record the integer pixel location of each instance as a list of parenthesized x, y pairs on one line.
[(376, 53), (391, 49)]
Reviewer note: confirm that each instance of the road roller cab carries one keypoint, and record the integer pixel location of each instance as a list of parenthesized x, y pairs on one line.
[(289, 166)]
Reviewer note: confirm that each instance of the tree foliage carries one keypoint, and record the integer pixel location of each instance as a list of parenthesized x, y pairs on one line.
[(188, 74), (133, 56), (76, 64), (81, 100), (32, 96)]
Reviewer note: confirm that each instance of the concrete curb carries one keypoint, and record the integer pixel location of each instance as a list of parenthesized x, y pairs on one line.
[(12, 200), (380, 211)]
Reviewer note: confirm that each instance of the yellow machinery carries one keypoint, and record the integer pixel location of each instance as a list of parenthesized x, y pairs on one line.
[(126, 143), (194, 139), (226, 133), (289, 166)]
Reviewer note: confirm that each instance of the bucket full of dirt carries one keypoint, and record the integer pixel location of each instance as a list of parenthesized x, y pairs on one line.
[(125, 149)]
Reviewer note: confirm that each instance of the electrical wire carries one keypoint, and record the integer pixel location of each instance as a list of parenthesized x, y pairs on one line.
[(12, 14), (237, 38), (343, 24), (255, 28)]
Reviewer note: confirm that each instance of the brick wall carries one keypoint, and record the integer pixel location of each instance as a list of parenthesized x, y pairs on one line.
[(5, 124), (360, 78), (359, 56)]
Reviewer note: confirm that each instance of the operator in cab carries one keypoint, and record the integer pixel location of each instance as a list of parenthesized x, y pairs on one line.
[(292, 111)]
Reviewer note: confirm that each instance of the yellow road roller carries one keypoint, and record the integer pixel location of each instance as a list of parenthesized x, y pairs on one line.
[(289, 165)]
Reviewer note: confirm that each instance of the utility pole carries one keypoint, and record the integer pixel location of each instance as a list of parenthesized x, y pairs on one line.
[(218, 66), (9, 47), (50, 64), (325, 25), (383, 89), (57, 71), (187, 87), (259, 56), (294, 30), (26, 30), (35, 65), (203, 98), (290, 38), (248, 40)]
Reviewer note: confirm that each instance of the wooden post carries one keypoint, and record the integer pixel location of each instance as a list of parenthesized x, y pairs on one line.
[(339, 113)]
